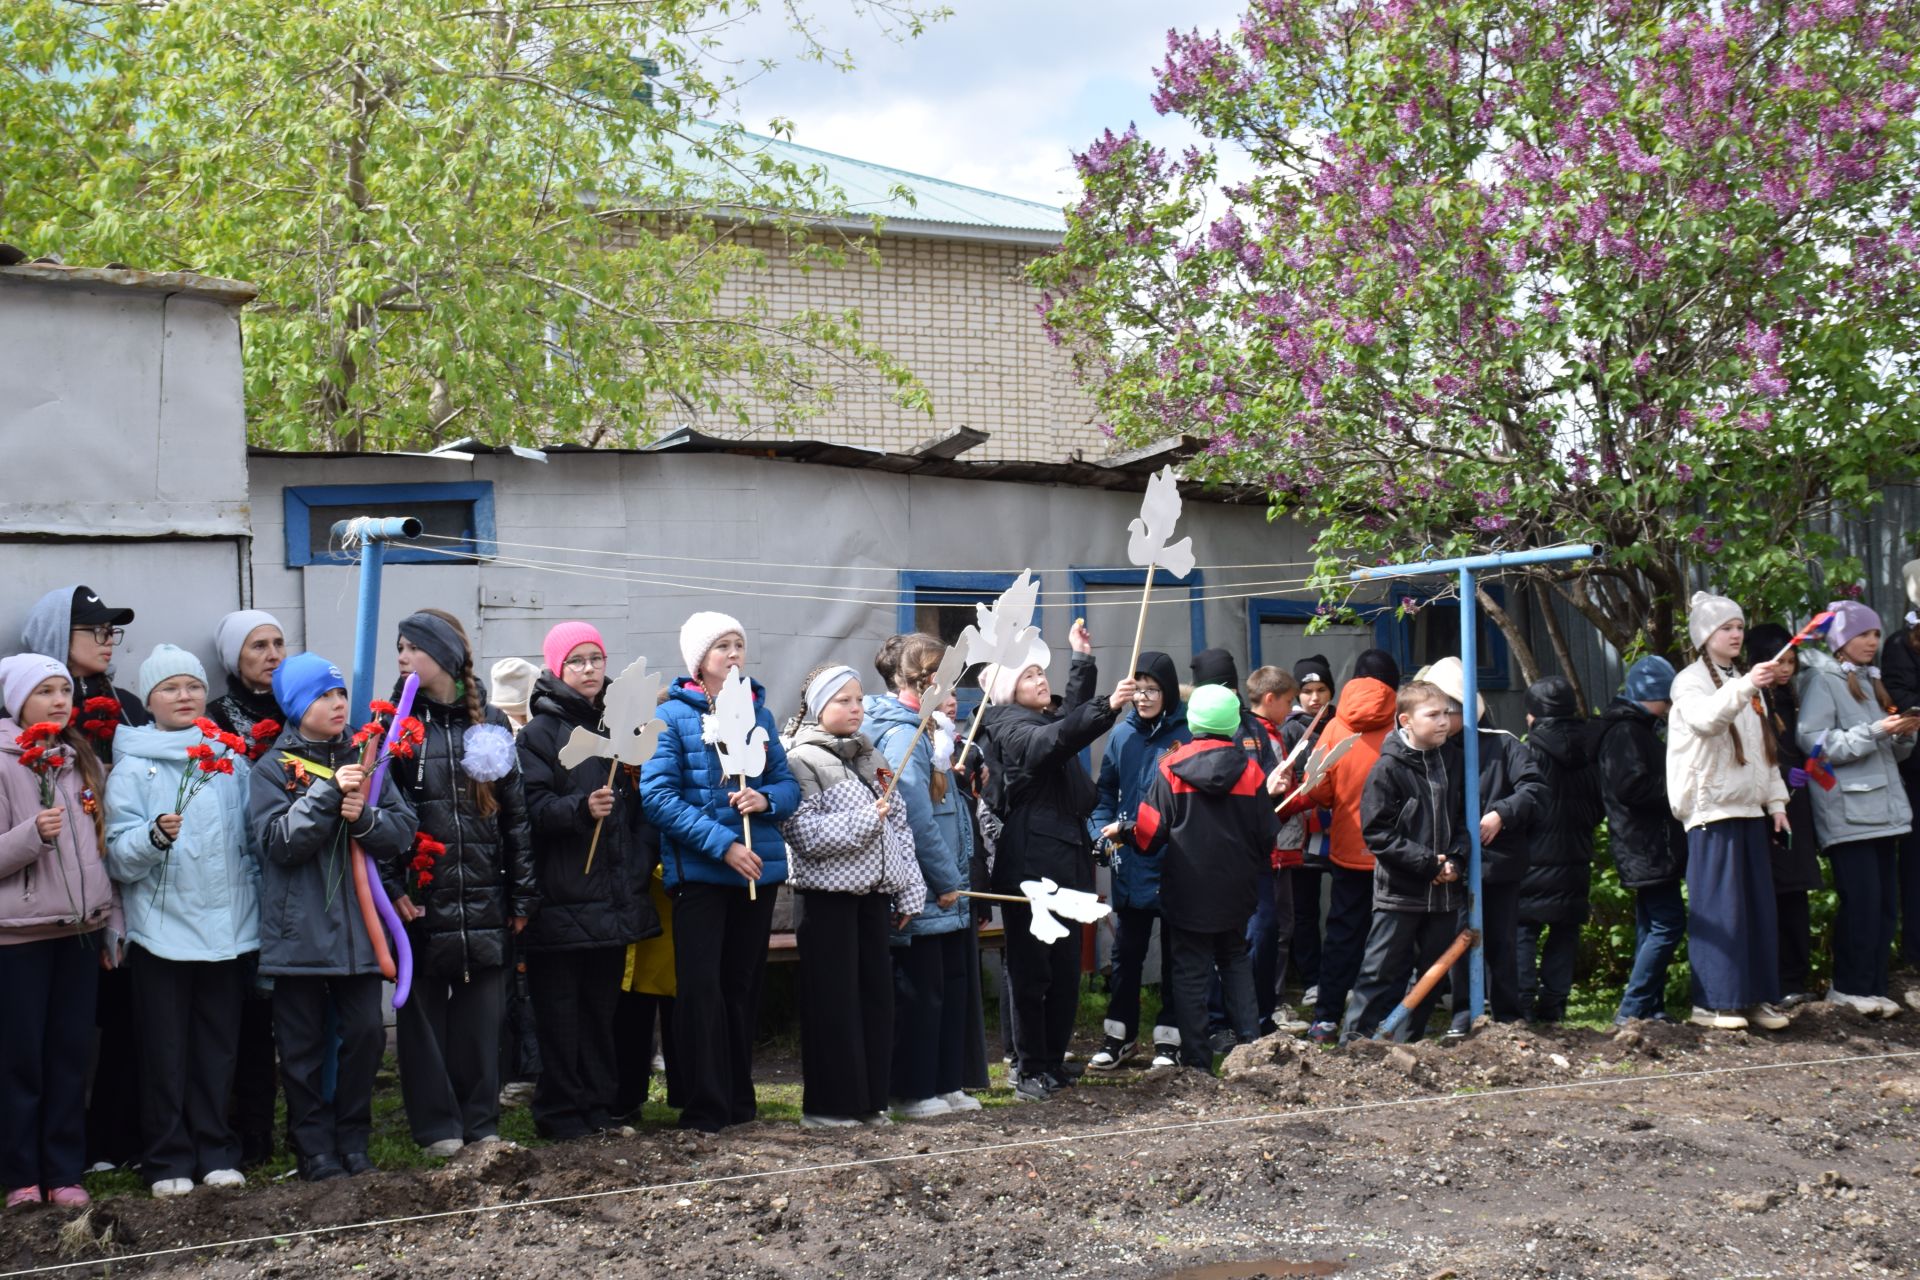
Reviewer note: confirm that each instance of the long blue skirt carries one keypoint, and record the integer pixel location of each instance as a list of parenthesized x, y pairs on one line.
[(1732, 937)]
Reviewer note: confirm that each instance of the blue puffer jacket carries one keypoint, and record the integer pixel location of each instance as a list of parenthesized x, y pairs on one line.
[(200, 899), (1128, 768), (942, 831), (685, 795)]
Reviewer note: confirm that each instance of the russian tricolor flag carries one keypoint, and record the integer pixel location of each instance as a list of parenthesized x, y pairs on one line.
[(1817, 767)]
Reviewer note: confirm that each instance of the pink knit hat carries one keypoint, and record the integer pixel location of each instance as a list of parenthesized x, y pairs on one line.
[(564, 639)]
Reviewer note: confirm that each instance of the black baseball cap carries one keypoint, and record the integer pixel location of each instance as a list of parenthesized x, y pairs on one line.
[(90, 611)]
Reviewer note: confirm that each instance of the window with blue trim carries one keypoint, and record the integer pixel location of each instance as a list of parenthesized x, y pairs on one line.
[(1431, 633), (457, 516), (941, 603), (1165, 596)]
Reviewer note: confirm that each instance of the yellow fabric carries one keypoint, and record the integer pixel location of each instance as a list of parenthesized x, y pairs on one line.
[(650, 963), (313, 767)]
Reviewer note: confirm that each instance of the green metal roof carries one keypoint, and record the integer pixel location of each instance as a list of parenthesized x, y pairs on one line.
[(938, 207)]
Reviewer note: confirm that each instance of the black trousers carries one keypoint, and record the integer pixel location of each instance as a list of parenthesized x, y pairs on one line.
[(1046, 992), (113, 1110), (846, 1002), (1306, 922), (187, 1018), (633, 1019), (1793, 910), (1401, 945), (342, 1126), (448, 1037), (1500, 921), (1548, 953), (47, 992), (1349, 920), (1197, 956), (932, 1007), (256, 1076), (1865, 874), (719, 960), (1133, 931), (574, 995)]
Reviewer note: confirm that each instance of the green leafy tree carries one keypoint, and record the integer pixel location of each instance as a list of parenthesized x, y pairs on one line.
[(504, 218), (1518, 272)]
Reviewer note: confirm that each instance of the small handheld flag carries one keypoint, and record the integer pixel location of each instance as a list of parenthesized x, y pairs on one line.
[(1816, 627), (1817, 767)]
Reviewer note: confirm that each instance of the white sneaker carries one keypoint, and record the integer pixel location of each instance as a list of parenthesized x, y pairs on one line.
[(1718, 1019), (1166, 1055), (960, 1100), (224, 1178), (1768, 1018), (1888, 1008), (808, 1120), (1866, 1006), (102, 1166), (878, 1120), (921, 1108), (1310, 997), (167, 1188), (444, 1148)]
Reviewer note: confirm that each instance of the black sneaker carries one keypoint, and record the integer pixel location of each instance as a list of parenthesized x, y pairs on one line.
[(1115, 1052), (1034, 1088), (1222, 1041), (1067, 1072), (357, 1163), (320, 1169)]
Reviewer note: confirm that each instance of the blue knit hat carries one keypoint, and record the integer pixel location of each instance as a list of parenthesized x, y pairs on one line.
[(1650, 680), (301, 680)]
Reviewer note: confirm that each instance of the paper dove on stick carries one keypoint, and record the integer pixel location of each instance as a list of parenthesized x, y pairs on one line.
[(1049, 900), (632, 730), (733, 730), (1150, 531), (1319, 764), (1005, 634)]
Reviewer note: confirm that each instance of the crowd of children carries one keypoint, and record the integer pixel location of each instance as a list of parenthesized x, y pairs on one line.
[(182, 876)]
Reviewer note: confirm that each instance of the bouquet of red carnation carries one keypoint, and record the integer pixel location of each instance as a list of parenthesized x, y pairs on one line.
[(262, 737), (210, 758), (426, 855), (372, 731), (43, 752), (97, 718)]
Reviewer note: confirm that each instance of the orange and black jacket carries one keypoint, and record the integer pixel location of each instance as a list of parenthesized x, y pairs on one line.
[(1207, 813)]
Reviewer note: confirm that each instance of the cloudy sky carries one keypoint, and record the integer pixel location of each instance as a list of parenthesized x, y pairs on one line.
[(997, 96)]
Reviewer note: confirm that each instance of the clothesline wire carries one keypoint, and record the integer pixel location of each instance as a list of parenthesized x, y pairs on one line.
[(987, 1148), (881, 597), (824, 568)]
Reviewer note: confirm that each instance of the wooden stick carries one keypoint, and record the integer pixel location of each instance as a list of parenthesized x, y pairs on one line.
[(1428, 981), (995, 897), (612, 769), (746, 838), (979, 714), (1140, 629)]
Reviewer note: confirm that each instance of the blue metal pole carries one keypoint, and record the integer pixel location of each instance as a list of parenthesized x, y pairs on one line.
[(1470, 740), (373, 535)]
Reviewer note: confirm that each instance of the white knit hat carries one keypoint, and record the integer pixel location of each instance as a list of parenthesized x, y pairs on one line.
[(1707, 613), (231, 632), (1449, 675), (510, 686), (699, 634), (1910, 574), (21, 674), (163, 664), (997, 682)]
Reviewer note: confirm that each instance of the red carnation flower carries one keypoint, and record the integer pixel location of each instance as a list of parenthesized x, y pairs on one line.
[(383, 708), (207, 728)]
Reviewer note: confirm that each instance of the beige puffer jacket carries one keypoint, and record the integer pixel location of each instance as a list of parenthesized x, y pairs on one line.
[(1705, 783)]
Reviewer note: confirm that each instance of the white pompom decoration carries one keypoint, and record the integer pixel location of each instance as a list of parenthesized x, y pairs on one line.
[(488, 753)]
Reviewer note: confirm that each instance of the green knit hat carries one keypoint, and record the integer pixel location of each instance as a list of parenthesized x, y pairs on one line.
[(1213, 710)]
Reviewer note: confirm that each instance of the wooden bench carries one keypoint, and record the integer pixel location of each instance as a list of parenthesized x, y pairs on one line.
[(783, 947)]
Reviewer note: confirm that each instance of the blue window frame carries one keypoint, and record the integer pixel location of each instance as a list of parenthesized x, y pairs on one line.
[(460, 509), (1398, 635), (1264, 609), (950, 588), (1079, 579)]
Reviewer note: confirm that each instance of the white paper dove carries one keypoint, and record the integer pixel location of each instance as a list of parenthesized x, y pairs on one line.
[(1159, 513), (1319, 764), (733, 730), (632, 730), (946, 678), (1005, 634), (1049, 900)]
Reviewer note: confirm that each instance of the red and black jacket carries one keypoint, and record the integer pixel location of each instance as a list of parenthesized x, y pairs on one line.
[(1208, 813)]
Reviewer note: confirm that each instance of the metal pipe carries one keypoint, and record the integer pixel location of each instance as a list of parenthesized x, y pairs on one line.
[(1493, 560), (372, 534), (1470, 740)]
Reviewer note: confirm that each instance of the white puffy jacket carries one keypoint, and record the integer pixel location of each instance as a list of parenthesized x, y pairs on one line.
[(1705, 783)]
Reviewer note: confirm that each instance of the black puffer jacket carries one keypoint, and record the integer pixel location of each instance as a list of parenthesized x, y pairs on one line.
[(1412, 814), (1037, 786), (610, 906), (1900, 672), (486, 875), (1648, 844), (1555, 890), (240, 708), (1511, 786), (1796, 854)]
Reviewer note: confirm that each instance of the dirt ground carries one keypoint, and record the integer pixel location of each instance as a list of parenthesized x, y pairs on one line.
[(1794, 1164)]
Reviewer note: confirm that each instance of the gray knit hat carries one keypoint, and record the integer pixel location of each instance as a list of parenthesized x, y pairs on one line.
[(163, 664), (1706, 614)]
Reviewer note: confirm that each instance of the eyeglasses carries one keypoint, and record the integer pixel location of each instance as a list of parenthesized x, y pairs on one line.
[(104, 635), (585, 664)]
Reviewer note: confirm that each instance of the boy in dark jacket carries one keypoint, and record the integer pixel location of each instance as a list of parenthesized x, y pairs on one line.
[(1413, 815), (1553, 896), (1649, 846), (307, 804), (1209, 817), (1511, 794), (1155, 724), (1313, 681)]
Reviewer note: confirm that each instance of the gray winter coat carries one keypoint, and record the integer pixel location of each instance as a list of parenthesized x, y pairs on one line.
[(310, 923), (1869, 803)]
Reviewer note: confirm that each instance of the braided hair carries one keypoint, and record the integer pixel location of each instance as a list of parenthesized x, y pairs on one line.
[(917, 660), (800, 714), (485, 803), (1733, 730)]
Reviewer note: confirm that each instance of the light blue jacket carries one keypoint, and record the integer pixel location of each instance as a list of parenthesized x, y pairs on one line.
[(1869, 801), (199, 900), (942, 829)]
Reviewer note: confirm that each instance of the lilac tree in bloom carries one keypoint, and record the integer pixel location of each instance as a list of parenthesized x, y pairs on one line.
[(1626, 271)]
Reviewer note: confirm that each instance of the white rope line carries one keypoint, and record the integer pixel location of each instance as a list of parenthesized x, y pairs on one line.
[(1096, 1135), (885, 597), (829, 568)]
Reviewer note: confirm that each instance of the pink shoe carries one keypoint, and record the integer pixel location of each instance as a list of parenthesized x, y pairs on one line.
[(21, 1196), (70, 1197)]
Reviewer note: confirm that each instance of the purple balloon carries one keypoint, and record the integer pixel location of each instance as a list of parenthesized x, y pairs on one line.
[(402, 949)]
